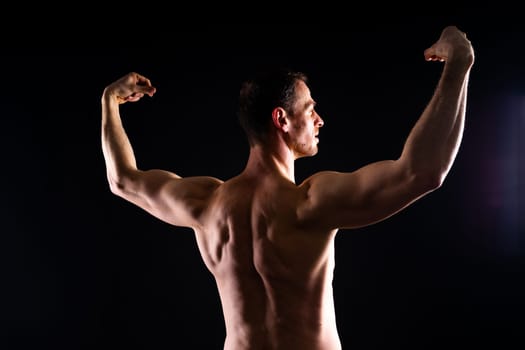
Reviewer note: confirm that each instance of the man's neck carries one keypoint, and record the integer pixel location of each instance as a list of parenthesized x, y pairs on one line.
[(264, 160)]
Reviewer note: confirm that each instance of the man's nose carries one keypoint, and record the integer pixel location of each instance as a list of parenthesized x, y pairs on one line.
[(320, 121)]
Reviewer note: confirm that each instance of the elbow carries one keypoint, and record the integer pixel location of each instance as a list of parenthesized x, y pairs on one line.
[(435, 181), (115, 187), (426, 177), (429, 181), (118, 185)]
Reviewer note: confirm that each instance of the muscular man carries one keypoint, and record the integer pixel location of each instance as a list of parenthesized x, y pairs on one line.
[(268, 241)]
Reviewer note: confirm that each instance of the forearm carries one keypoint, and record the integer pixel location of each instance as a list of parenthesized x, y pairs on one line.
[(117, 150), (434, 141), (451, 147)]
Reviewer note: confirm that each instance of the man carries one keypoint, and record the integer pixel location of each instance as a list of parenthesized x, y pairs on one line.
[(268, 241)]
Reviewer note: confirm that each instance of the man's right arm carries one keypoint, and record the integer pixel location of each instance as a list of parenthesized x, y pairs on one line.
[(163, 194)]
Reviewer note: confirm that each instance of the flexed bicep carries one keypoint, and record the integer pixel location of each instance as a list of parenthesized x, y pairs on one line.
[(363, 197)]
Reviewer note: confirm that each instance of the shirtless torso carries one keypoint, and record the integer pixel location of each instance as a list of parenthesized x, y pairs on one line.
[(274, 279), (268, 241)]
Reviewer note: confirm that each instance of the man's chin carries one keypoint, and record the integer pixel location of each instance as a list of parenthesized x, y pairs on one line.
[(309, 154)]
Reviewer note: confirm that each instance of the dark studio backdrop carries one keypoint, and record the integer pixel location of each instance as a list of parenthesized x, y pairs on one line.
[(83, 269)]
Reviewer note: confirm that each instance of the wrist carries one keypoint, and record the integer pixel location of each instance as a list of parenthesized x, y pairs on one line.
[(109, 97)]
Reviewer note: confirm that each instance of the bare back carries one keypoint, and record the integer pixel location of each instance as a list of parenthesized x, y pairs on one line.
[(274, 273)]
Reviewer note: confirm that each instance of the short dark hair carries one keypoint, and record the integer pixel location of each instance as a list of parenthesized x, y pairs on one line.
[(268, 89)]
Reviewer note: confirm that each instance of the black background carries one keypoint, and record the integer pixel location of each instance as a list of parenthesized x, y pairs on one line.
[(83, 269)]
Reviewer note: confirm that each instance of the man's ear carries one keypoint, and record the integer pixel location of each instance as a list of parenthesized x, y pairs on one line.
[(280, 120)]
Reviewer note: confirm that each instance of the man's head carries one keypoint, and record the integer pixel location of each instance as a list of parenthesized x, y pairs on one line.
[(260, 95), (279, 100)]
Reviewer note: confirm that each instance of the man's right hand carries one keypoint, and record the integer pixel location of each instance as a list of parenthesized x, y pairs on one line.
[(130, 88)]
